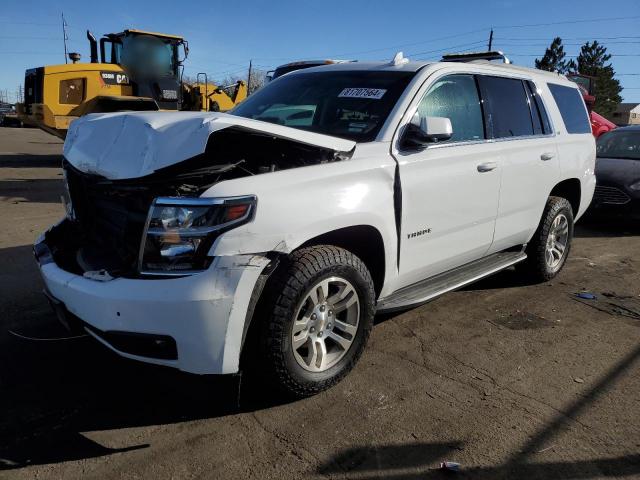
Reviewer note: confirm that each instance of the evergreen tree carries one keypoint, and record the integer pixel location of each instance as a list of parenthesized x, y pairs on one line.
[(554, 58), (592, 61)]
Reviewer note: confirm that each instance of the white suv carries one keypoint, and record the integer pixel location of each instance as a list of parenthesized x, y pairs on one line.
[(273, 235)]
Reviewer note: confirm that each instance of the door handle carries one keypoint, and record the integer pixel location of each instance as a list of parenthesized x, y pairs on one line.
[(547, 156), (487, 167)]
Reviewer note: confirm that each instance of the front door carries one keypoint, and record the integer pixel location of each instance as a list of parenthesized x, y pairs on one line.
[(450, 190)]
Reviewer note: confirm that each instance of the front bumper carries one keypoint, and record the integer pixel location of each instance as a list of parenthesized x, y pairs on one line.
[(205, 313), (615, 201)]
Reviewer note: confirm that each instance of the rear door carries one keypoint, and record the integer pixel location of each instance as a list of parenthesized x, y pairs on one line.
[(449, 189), (517, 121)]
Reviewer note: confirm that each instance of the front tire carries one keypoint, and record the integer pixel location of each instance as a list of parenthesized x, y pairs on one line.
[(549, 248), (320, 308)]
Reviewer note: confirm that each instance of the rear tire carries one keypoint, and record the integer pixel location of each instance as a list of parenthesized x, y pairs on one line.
[(549, 247), (319, 308)]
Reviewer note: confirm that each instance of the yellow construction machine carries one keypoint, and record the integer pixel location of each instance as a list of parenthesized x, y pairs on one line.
[(205, 96), (137, 70)]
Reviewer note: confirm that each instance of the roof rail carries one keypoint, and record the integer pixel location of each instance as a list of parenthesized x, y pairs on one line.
[(471, 56)]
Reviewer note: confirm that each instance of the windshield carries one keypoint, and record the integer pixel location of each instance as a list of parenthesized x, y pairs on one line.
[(620, 144), (149, 56), (352, 105)]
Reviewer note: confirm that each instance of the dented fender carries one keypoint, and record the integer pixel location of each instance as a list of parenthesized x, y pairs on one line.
[(294, 206)]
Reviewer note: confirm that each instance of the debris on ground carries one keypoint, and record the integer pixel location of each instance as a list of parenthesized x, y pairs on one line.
[(586, 296), (450, 466), (578, 380), (523, 321), (623, 305)]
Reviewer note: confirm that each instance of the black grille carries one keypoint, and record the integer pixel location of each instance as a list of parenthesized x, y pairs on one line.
[(610, 195), (111, 216)]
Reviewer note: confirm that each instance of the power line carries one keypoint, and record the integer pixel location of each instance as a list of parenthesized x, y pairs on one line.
[(470, 44), (564, 44), (568, 22), (573, 56), (568, 38), (20, 37), (486, 29), (29, 53), (392, 47), (448, 37), (30, 23)]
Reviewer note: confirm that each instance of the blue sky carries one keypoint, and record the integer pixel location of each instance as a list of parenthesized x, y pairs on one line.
[(224, 35)]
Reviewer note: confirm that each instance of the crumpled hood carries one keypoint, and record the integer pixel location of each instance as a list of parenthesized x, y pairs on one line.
[(134, 144)]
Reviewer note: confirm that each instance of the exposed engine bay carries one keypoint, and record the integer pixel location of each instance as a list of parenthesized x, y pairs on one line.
[(236, 152), (107, 217)]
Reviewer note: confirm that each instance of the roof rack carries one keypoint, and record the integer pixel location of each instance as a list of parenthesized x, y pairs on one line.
[(471, 56)]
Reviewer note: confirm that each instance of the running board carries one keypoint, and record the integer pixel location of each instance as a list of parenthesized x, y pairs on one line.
[(435, 286)]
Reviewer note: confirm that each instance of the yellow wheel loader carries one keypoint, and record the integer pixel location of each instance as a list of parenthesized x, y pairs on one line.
[(137, 70), (208, 97)]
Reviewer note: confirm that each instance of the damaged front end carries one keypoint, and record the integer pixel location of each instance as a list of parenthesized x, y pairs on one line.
[(160, 223)]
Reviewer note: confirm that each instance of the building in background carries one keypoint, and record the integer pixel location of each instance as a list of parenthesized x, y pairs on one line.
[(626, 114)]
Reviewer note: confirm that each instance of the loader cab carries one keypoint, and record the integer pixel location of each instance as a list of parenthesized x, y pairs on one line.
[(150, 60)]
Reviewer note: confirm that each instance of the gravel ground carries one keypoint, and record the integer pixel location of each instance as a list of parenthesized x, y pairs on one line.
[(509, 379)]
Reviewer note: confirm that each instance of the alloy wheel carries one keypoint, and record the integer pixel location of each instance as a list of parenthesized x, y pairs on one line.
[(325, 324)]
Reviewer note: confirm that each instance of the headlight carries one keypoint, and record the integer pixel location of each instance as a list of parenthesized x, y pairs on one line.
[(635, 186), (180, 231)]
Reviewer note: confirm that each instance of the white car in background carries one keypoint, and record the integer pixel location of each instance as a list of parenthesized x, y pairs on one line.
[(212, 242)]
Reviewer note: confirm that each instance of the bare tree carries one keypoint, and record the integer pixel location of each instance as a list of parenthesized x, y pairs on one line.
[(258, 78)]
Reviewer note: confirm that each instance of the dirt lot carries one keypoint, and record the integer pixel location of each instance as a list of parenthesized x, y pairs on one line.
[(511, 380)]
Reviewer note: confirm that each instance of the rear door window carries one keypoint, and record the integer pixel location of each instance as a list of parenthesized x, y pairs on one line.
[(572, 108), (506, 107)]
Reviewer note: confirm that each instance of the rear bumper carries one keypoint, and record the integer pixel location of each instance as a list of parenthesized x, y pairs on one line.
[(204, 314)]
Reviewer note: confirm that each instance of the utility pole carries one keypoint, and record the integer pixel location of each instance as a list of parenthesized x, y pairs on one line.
[(490, 40), (64, 37), (249, 79)]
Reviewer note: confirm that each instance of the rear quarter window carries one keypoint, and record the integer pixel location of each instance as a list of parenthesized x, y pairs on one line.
[(572, 108)]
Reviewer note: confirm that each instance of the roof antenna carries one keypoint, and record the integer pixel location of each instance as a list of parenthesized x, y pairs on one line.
[(398, 59)]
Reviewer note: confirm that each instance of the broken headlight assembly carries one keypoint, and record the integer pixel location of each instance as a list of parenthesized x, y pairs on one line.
[(180, 231)]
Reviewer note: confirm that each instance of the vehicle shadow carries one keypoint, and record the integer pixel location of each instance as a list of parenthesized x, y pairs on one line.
[(53, 387), (54, 390), (417, 460), (28, 160), (508, 278), (31, 190), (592, 226)]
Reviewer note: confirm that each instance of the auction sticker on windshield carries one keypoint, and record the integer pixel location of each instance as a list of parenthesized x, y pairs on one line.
[(373, 93)]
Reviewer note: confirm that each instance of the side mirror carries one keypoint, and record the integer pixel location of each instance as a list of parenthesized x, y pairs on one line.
[(422, 131)]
